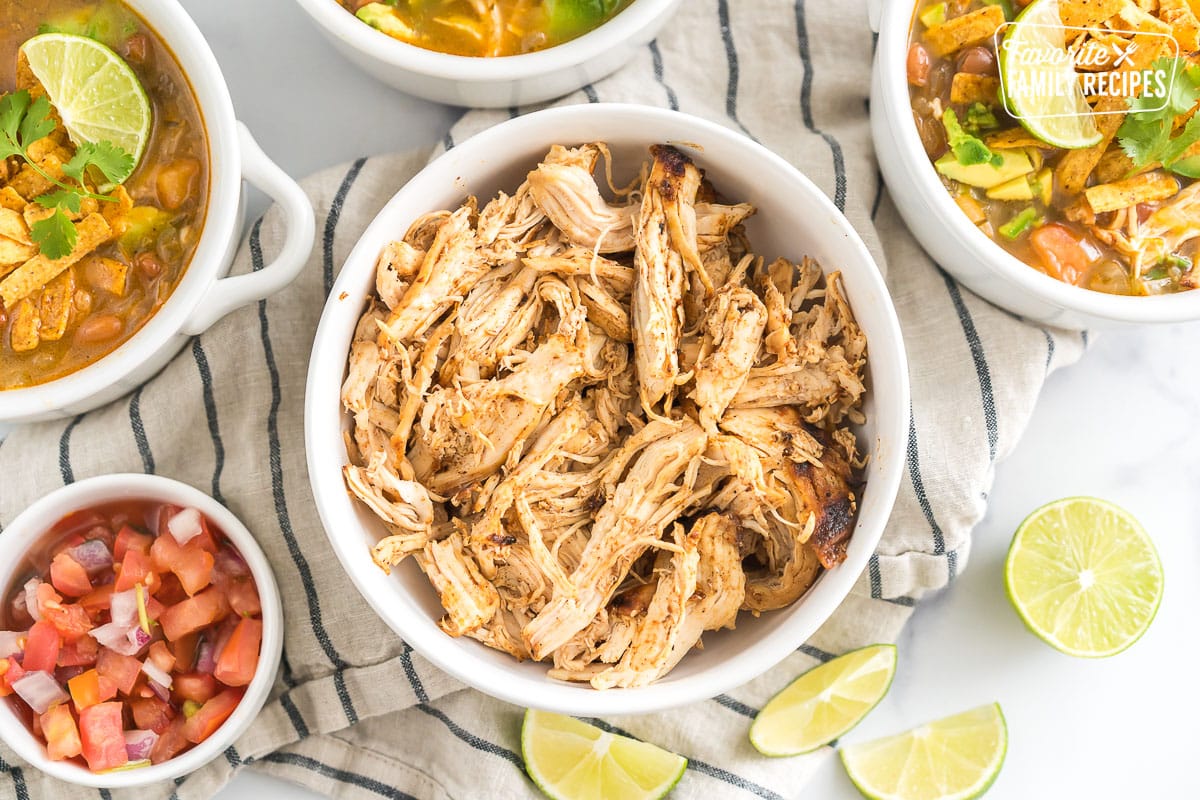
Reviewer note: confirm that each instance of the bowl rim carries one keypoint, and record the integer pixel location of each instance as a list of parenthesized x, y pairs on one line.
[(175, 28), (894, 30), (478, 69), (32, 523), (324, 443)]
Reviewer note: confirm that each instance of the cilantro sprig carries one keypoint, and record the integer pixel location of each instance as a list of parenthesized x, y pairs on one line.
[(1145, 134), (23, 121)]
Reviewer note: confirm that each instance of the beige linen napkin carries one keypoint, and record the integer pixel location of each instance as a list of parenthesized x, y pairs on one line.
[(355, 712)]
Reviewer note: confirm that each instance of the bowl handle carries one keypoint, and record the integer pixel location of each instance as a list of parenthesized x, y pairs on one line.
[(228, 294)]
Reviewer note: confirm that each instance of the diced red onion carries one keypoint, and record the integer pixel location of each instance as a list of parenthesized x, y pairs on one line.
[(40, 691), (116, 637), (93, 555), (157, 674), (10, 643), (138, 639), (206, 658), (139, 743), (64, 674), (125, 608), (160, 691), (31, 587), (185, 525), (228, 561)]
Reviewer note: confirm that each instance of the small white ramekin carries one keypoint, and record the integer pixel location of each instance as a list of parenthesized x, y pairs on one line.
[(794, 219), (492, 82), (951, 239), (31, 526), (203, 294)]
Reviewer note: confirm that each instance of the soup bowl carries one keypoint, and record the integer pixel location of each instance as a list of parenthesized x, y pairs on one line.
[(951, 239), (203, 294), (492, 82), (794, 219), (30, 528)]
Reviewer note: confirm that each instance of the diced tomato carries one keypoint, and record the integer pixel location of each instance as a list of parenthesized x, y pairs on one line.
[(99, 600), (171, 741), (71, 621), (211, 715), (69, 576), (131, 538), (184, 650), (1061, 253), (12, 674), (162, 658), (41, 648), (88, 689), (151, 714), (82, 652), (154, 609), (170, 590), (103, 736), (122, 670), (5, 664), (191, 563), (62, 737), (233, 577), (136, 568), (239, 659), (199, 687), (46, 598), (194, 613)]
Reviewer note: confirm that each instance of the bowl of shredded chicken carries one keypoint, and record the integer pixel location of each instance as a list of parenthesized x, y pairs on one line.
[(599, 423)]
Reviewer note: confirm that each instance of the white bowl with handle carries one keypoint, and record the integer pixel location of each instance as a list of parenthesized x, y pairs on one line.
[(203, 294), (794, 219)]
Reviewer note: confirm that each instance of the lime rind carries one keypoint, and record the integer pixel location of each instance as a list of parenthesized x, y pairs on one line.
[(568, 759), (769, 733), (96, 93), (1151, 561), (909, 749)]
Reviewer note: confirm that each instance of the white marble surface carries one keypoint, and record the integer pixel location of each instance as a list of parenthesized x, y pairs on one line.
[(1120, 425)]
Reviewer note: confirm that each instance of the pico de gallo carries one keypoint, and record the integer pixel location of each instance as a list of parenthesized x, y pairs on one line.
[(131, 636)]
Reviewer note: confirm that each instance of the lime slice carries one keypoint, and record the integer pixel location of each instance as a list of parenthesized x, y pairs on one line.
[(96, 94), (955, 758), (1084, 576), (825, 702), (571, 760), (1058, 113)]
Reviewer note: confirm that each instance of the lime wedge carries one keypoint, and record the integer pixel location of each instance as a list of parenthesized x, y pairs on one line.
[(955, 758), (825, 702), (571, 760), (96, 94), (1041, 92), (1084, 576)]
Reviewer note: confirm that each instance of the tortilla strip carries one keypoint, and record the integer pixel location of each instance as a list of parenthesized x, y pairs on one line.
[(1115, 166), (11, 200), (968, 88), (1183, 21), (1123, 194), (105, 273), (29, 183), (23, 335), (13, 226), (1012, 139), (965, 31), (1087, 13), (55, 309), (39, 270), (1076, 166)]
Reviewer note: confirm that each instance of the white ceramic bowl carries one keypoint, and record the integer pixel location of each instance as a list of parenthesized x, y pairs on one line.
[(795, 218), (203, 295), (492, 82), (31, 526), (949, 237)]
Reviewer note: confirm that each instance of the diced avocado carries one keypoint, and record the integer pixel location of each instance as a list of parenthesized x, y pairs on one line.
[(1043, 185), (1016, 189), (1035, 157), (934, 15), (382, 18), (985, 176), (141, 225)]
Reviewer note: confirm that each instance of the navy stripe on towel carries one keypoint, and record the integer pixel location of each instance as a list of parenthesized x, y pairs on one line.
[(139, 431), (918, 484), (839, 160), (736, 706), (982, 372), (331, 221), (478, 742), (731, 57), (656, 56), (294, 715), (340, 775), (210, 413), (18, 779), (64, 451)]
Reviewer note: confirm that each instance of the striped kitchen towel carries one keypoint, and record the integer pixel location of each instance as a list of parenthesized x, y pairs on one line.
[(356, 713)]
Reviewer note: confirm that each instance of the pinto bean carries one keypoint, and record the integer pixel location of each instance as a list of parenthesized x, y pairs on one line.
[(977, 61), (98, 329), (148, 264), (918, 64)]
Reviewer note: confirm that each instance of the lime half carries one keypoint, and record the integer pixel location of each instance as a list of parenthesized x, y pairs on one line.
[(1084, 576), (571, 760), (825, 702), (1039, 80), (955, 758), (97, 95)]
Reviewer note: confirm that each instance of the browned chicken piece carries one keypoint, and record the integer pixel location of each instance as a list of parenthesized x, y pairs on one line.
[(398, 265), (491, 323), (604, 310), (565, 191), (469, 600), (732, 331), (584, 263), (714, 222), (451, 267), (642, 506), (404, 506)]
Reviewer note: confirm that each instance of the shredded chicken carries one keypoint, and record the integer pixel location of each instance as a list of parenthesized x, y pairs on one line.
[(600, 424)]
